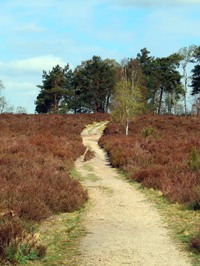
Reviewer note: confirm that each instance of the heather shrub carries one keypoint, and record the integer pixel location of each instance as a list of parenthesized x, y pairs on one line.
[(161, 152), (195, 243), (36, 154), (151, 176), (89, 155)]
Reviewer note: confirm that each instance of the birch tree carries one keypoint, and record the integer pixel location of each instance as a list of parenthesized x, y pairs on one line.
[(129, 102), (128, 97), (187, 54)]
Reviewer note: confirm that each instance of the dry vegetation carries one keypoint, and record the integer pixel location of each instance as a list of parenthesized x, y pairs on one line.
[(36, 154), (89, 155), (161, 152)]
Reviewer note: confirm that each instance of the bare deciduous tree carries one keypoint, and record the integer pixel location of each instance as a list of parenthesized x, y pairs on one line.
[(187, 54)]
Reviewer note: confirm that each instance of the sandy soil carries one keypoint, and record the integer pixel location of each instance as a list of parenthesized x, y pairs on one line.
[(122, 227)]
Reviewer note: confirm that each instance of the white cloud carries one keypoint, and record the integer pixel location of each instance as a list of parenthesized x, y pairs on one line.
[(25, 88), (30, 28), (32, 93), (150, 3), (164, 34), (178, 24), (32, 65), (31, 4), (21, 77)]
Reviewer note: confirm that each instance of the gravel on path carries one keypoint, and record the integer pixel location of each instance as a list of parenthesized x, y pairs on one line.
[(122, 226)]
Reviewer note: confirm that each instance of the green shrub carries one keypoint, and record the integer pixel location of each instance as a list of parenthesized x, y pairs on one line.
[(148, 131), (23, 252), (194, 162)]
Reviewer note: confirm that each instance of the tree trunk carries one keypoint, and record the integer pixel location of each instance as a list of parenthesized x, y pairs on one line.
[(107, 102), (185, 94), (127, 125), (161, 94), (156, 97), (185, 103), (55, 102)]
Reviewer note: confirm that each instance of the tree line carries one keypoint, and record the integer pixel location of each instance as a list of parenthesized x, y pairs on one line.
[(131, 86)]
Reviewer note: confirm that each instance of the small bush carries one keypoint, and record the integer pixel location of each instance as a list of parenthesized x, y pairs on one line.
[(195, 243), (194, 162), (89, 155), (16, 245), (148, 131)]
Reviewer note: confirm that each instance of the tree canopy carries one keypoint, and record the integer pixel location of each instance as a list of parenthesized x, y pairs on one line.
[(92, 85), (129, 96), (162, 79), (56, 86), (196, 73)]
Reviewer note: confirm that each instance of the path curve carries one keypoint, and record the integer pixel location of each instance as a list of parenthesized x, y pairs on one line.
[(122, 227)]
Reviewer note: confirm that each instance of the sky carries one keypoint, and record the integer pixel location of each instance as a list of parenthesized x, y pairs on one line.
[(37, 35)]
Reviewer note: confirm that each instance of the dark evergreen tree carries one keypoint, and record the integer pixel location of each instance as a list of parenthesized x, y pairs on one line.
[(169, 77), (94, 82), (150, 73), (196, 74), (55, 91), (161, 76), (195, 80)]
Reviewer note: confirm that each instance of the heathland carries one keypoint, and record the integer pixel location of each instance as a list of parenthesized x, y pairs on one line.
[(37, 152)]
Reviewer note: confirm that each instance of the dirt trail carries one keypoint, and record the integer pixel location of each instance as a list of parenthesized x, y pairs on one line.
[(122, 227)]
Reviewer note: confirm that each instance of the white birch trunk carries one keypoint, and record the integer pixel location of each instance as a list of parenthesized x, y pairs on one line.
[(127, 125)]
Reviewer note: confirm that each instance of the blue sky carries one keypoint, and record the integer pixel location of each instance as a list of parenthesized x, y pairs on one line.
[(37, 35)]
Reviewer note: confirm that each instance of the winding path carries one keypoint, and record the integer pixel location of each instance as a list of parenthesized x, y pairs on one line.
[(122, 227)]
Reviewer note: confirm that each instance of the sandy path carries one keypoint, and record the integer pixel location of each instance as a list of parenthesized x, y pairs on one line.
[(122, 227)]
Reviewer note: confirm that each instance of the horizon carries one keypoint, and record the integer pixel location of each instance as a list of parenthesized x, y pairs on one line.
[(37, 36)]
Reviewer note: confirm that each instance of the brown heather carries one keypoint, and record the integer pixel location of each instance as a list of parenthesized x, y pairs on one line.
[(161, 152), (36, 154), (89, 155)]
